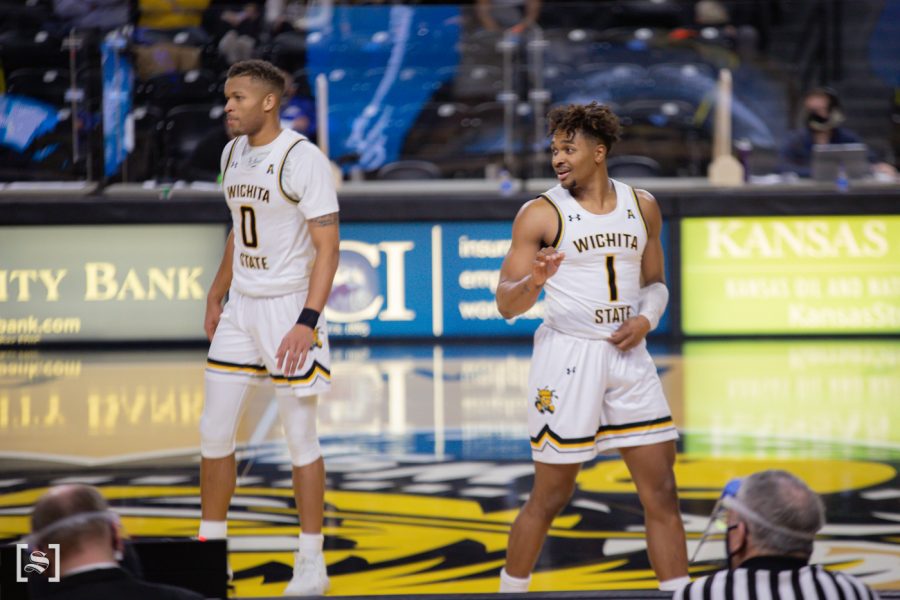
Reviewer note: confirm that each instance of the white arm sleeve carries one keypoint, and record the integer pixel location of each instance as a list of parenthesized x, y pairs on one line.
[(653, 301)]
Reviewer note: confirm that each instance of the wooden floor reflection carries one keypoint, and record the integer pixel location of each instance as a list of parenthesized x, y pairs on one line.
[(428, 460)]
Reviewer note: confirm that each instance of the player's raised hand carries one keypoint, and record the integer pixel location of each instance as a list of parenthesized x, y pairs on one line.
[(294, 347), (545, 265), (630, 333)]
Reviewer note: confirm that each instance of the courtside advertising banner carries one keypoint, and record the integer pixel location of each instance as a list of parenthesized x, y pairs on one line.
[(109, 282), (791, 275), (428, 279)]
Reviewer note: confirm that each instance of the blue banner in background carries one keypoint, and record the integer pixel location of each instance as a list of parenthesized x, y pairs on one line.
[(23, 119), (427, 280), (473, 253), (383, 286), (118, 81), (383, 63)]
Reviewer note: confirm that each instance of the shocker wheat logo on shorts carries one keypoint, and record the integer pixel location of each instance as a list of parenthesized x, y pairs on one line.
[(317, 341), (544, 402)]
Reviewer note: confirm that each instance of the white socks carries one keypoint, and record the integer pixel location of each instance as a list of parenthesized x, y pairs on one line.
[(213, 530), (513, 585), (673, 585), (311, 544)]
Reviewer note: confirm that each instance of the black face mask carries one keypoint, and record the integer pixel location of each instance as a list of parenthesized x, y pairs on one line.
[(728, 553), (814, 119), (817, 122)]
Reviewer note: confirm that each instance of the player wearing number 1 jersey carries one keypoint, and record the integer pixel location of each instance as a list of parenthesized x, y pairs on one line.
[(592, 244), (279, 265)]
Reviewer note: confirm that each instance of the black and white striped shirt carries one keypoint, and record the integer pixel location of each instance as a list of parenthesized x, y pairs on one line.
[(774, 578)]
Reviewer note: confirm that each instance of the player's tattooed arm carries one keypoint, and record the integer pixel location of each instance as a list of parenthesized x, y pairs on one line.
[(325, 220)]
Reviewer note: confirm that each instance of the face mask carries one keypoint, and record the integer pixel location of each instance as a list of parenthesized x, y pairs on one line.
[(717, 527), (728, 553), (817, 122)]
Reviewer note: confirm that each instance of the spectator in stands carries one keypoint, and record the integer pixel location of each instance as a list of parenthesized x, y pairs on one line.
[(772, 523), (238, 32), (511, 16), (171, 20), (822, 119), (298, 107), (97, 15), (90, 541), (169, 36), (302, 16)]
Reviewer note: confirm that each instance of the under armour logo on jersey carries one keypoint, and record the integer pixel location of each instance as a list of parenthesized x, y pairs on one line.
[(574, 218), (570, 370), (270, 170), (234, 165), (630, 214)]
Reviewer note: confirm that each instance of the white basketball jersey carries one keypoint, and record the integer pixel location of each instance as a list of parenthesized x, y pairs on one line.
[(273, 252), (597, 285)]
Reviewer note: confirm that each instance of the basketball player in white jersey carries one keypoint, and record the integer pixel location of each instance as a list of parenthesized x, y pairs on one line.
[(279, 265), (592, 244)]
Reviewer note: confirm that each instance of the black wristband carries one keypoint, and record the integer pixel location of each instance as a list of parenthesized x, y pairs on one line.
[(308, 317)]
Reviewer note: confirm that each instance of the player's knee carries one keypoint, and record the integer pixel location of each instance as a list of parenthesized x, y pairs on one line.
[(550, 503), (298, 416), (221, 413), (660, 497), (304, 452), (215, 441)]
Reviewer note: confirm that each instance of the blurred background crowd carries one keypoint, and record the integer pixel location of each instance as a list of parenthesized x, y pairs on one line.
[(445, 90)]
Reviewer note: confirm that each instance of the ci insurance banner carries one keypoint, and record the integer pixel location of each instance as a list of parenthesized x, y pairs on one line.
[(426, 280), (791, 275), (110, 282)]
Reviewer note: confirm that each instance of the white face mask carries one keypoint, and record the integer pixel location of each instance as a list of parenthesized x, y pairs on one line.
[(717, 525)]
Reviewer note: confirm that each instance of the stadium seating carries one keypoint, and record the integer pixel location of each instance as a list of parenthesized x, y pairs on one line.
[(181, 131)]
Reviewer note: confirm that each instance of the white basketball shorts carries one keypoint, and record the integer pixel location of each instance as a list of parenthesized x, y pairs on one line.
[(589, 397), (249, 333)]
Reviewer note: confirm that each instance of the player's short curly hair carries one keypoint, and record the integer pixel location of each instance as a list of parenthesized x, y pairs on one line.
[(595, 120), (261, 70)]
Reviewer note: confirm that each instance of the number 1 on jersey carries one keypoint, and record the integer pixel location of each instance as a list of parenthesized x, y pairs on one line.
[(611, 274), (248, 227)]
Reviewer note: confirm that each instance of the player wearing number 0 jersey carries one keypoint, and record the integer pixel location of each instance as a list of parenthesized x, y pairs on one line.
[(592, 244), (277, 271), (273, 190)]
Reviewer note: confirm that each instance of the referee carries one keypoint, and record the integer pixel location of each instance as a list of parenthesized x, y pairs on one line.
[(772, 523)]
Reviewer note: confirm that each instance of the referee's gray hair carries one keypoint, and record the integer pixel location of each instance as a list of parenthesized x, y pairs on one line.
[(70, 515), (784, 513)]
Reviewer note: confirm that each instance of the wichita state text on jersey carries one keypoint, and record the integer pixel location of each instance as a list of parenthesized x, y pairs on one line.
[(597, 285), (273, 251)]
